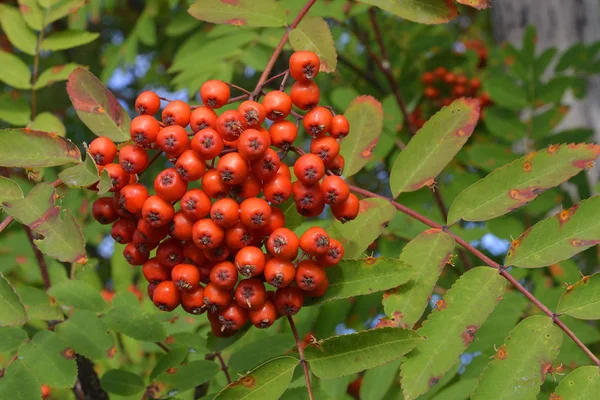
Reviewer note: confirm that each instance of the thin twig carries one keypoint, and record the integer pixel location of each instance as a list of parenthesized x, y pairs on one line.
[(362, 74), (285, 77), (223, 366), (302, 360), (274, 77), (488, 261), (247, 92), (162, 346), (5, 223), (40, 258), (378, 36), (238, 98)]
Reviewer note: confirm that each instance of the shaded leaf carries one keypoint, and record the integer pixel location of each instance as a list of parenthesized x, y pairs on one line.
[(13, 71), (421, 11), (68, 39), (426, 254), (18, 383), (450, 328), (50, 360), (62, 236), (133, 323), (257, 352), (293, 218), (364, 276), (48, 122), (520, 182), (81, 175), (53, 74), (239, 12), (78, 294), (169, 360), (349, 354), (521, 363), (504, 124), (121, 382), (378, 380), (39, 305), (16, 29), (434, 146), (189, 340), (478, 4), (313, 34), (187, 376), (12, 311), (582, 300), (97, 107), (25, 148), (365, 116), (88, 335), (11, 338), (267, 382), (505, 92), (559, 237), (9, 190), (581, 384)]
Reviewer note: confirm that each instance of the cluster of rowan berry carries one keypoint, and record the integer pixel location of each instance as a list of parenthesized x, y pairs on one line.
[(218, 234)]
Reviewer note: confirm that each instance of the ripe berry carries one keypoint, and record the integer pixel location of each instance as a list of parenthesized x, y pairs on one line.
[(103, 210), (317, 121), (250, 261), (305, 94), (314, 241), (136, 254), (253, 143), (147, 102), (144, 130), (309, 275), (440, 72), (216, 298), (215, 94), (461, 80), (428, 78), (195, 204), (306, 196), (133, 196), (334, 254), (431, 93), (276, 220), (224, 275), (283, 133), (157, 212), (166, 296), (250, 294), (335, 189), (206, 234), (320, 290), (192, 301), (339, 127), (173, 140), (288, 300), (133, 159), (325, 147), (189, 166), (176, 113), (265, 316), (459, 91), (346, 210), (336, 165), (169, 185), (238, 236), (180, 227), (309, 168), (154, 272), (283, 244), (207, 143), (152, 233), (225, 212), (279, 273), (232, 168), (266, 166), (231, 124), (122, 230), (118, 177), (213, 186), (254, 213), (170, 253), (103, 150), (193, 254), (278, 190), (449, 78), (203, 117), (251, 187), (277, 104), (304, 65), (232, 318), (253, 112), (119, 206), (185, 276), (475, 84)]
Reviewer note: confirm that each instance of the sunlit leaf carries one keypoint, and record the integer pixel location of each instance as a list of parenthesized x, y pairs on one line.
[(48, 122), (32, 13), (16, 29), (39, 305), (24, 148), (421, 11), (313, 34), (581, 384), (55, 74), (68, 39), (239, 12), (78, 294), (12, 310), (582, 300), (13, 71)]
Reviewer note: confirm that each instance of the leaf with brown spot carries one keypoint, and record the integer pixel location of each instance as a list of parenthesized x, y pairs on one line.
[(581, 384), (263, 13), (533, 343), (421, 11), (434, 146), (97, 107), (87, 334), (55, 74), (582, 300), (559, 237), (121, 382), (478, 4), (62, 236), (313, 34), (9, 190), (511, 187), (25, 148)]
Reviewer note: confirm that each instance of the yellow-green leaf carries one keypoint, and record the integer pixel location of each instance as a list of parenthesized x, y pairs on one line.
[(13, 71), (9, 190), (12, 310), (78, 294), (582, 300), (25, 148), (421, 11), (16, 29), (313, 34), (48, 122), (55, 74), (239, 12), (68, 39), (581, 384), (81, 175)]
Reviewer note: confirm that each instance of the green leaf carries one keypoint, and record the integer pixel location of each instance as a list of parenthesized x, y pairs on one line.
[(364, 276), (12, 310), (61, 8), (504, 124), (257, 352), (520, 364), (169, 360), (62, 236), (434, 146), (55, 74), (477, 4), (97, 107), (581, 384), (267, 382), (88, 335), (421, 11), (520, 182), (349, 354), (78, 294), (14, 72), (11, 339), (133, 323), (16, 29), (505, 92), (559, 237), (24, 148), (489, 156), (194, 341), (121, 382), (313, 34), (9, 190), (450, 328), (14, 110), (81, 175), (582, 299), (39, 305), (377, 381), (18, 383), (365, 116), (48, 122), (266, 13), (68, 39), (293, 218), (187, 376), (50, 360), (358, 234), (427, 254), (553, 91), (32, 13)]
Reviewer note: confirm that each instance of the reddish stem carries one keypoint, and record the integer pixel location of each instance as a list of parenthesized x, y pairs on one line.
[(301, 354), (223, 366), (40, 258)]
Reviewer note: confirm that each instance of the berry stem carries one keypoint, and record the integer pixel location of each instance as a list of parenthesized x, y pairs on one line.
[(5, 223), (238, 98), (247, 92), (502, 270), (223, 366), (285, 77), (302, 360)]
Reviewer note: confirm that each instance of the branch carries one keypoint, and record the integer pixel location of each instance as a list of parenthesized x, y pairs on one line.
[(5, 223), (40, 258), (302, 360), (488, 261), (362, 74), (162, 346), (223, 366)]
